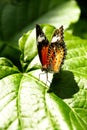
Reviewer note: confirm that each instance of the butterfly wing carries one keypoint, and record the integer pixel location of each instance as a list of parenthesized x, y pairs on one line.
[(56, 51), (42, 45)]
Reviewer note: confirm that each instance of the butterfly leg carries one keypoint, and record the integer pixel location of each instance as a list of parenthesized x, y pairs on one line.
[(41, 78), (47, 80)]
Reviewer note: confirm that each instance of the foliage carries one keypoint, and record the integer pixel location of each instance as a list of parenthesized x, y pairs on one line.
[(26, 102)]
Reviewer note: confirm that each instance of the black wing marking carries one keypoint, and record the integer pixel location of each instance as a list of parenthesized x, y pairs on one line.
[(40, 36)]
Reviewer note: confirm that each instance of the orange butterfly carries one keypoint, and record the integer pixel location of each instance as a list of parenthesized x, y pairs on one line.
[(51, 54)]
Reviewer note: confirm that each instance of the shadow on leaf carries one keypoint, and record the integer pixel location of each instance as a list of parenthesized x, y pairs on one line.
[(64, 85)]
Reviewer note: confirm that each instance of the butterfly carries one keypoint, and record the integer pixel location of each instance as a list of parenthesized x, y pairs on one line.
[(51, 54)]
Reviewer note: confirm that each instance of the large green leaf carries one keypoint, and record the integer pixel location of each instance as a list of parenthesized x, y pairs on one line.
[(15, 15), (25, 102), (63, 13)]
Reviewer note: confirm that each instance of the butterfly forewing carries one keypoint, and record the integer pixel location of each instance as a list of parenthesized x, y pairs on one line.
[(42, 45)]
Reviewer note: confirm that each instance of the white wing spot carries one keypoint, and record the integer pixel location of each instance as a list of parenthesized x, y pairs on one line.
[(40, 39), (55, 38)]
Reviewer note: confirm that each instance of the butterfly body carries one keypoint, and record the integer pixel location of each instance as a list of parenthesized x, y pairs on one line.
[(51, 54)]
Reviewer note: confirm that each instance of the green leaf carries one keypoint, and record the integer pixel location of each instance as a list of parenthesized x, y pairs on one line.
[(7, 68), (31, 106), (64, 13), (16, 15), (76, 58)]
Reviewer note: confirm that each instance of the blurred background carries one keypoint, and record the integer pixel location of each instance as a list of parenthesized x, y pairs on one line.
[(18, 16)]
